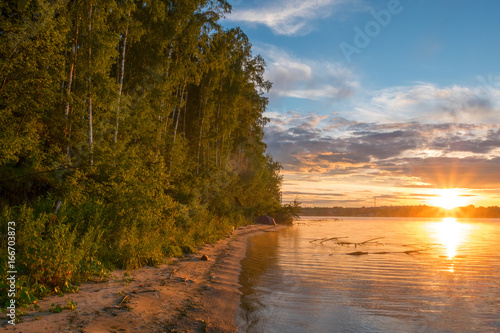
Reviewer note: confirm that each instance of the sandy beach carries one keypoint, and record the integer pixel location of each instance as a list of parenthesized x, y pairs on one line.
[(184, 295)]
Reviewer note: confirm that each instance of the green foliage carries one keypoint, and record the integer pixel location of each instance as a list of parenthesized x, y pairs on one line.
[(55, 308), (126, 279), (51, 253), (287, 213), (128, 133), (71, 305)]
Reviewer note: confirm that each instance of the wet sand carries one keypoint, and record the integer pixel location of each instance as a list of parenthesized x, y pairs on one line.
[(186, 295)]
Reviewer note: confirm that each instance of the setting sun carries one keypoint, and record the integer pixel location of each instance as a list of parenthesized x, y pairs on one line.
[(448, 199)]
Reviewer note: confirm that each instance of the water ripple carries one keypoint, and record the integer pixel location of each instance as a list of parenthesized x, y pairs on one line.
[(291, 284)]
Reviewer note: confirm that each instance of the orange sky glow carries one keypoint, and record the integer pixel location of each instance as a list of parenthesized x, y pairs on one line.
[(338, 192), (446, 182)]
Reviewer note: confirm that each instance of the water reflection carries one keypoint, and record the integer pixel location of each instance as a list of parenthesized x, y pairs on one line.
[(451, 234), (292, 285)]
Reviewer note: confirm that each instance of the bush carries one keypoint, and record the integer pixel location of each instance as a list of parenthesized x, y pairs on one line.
[(51, 255), (288, 212)]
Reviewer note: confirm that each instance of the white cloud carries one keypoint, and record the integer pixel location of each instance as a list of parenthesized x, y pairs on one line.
[(313, 94), (428, 103), (287, 17), (305, 78)]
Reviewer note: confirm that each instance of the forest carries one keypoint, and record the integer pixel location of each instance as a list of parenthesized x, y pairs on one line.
[(130, 131)]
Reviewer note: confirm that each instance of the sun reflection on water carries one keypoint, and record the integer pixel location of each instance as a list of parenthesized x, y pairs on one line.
[(451, 234)]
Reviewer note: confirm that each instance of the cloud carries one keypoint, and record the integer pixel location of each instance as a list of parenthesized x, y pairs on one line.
[(470, 172), (307, 79), (428, 103), (414, 138), (408, 155), (287, 17), (475, 146)]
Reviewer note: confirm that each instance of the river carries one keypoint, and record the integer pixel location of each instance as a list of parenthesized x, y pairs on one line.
[(373, 275)]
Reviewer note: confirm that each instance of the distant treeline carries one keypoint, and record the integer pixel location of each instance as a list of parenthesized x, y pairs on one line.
[(405, 211), (129, 131)]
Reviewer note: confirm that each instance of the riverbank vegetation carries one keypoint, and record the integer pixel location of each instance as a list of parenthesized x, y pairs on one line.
[(129, 131)]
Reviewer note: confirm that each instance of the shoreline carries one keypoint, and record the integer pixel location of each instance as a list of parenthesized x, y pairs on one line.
[(186, 295)]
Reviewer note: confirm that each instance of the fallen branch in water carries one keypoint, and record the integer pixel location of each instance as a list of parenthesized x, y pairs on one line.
[(359, 253), (330, 239), (345, 243), (369, 241), (322, 240)]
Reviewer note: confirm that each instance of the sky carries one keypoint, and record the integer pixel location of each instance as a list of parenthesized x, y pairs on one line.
[(380, 102)]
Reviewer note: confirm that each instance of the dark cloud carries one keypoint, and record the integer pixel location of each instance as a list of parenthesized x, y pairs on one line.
[(446, 172), (474, 146), (383, 145), (334, 146), (296, 144), (340, 157)]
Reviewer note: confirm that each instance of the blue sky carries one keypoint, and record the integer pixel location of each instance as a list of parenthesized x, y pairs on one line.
[(393, 99)]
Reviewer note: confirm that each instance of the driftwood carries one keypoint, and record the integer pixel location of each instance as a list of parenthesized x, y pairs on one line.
[(346, 243), (330, 239), (172, 273), (358, 253), (124, 300), (322, 240), (339, 241), (369, 241)]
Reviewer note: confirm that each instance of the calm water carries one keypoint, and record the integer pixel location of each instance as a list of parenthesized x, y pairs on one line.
[(425, 275)]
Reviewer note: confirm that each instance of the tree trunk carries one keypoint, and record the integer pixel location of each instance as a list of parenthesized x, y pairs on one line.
[(217, 127), (221, 149), (179, 109), (67, 132), (217, 138), (91, 140), (202, 117), (175, 108), (185, 112), (121, 78)]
